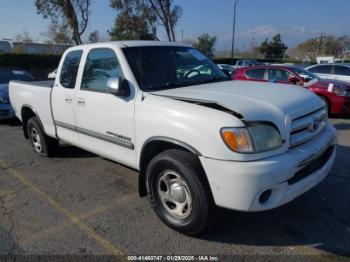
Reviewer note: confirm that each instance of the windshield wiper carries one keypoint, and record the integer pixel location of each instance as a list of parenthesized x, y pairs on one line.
[(169, 85), (212, 80)]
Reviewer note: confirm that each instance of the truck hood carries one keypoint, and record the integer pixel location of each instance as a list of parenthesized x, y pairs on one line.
[(254, 101), (4, 91)]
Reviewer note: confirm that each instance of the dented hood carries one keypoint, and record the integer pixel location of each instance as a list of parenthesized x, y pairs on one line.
[(255, 101)]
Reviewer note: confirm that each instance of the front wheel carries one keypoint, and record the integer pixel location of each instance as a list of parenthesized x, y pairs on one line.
[(179, 193)]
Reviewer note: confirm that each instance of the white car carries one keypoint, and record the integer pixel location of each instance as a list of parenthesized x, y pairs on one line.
[(226, 68), (332, 71), (197, 139)]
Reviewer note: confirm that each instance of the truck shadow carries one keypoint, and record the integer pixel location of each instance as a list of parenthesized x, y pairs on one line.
[(11, 122), (68, 151), (320, 218), (9, 246)]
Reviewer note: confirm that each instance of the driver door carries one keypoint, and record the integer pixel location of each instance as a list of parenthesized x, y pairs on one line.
[(281, 76), (105, 122)]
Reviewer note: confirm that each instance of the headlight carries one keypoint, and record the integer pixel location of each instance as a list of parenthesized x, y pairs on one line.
[(3, 100), (254, 138)]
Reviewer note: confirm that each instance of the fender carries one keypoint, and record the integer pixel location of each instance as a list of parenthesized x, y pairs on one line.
[(171, 142), (36, 115)]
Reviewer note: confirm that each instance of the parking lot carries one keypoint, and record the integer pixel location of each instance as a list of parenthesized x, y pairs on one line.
[(81, 204)]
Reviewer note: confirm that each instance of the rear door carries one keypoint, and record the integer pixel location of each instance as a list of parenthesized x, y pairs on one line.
[(62, 100), (342, 73), (105, 122), (324, 71)]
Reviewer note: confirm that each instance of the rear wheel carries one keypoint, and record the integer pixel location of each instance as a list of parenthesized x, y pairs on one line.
[(179, 194), (41, 143)]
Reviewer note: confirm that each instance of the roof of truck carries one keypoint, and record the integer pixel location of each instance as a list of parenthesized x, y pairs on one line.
[(131, 43)]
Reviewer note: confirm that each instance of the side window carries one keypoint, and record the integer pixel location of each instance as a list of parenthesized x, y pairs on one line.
[(324, 69), (257, 74), (240, 63), (278, 75), (70, 69), (342, 70), (101, 64)]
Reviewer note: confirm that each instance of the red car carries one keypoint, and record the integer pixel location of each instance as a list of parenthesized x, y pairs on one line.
[(336, 94)]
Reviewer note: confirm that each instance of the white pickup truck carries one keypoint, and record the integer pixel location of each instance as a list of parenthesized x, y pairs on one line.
[(197, 139)]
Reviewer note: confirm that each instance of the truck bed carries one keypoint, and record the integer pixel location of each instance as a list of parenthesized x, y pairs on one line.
[(47, 83), (37, 97)]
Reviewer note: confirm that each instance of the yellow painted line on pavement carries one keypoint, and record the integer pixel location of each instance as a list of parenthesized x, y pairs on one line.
[(56, 228), (72, 217)]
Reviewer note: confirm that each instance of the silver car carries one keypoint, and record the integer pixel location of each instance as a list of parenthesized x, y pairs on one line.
[(332, 71)]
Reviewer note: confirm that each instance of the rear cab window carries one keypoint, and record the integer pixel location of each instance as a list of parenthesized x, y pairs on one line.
[(70, 67)]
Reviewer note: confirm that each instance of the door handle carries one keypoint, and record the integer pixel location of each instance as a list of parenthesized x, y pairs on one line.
[(81, 101), (68, 99)]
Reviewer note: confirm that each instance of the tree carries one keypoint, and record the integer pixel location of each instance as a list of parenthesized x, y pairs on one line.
[(314, 47), (74, 13), (94, 37), (169, 14), (135, 20), (24, 37), (60, 34), (206, 43), (273, 49)]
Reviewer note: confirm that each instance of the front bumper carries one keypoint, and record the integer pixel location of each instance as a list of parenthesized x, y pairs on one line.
[(240, 185), (6, 111)]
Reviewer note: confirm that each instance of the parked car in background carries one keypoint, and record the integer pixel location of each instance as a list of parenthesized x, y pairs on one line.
[(244, 63), (6, 75), (332, 71), (227, 69), (326, 59), (197, 139), (335, 93)]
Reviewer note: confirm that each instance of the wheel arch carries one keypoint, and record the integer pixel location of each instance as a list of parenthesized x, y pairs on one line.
[(154, 146), (27, 112)]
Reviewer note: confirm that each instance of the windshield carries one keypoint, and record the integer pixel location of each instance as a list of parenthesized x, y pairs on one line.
[(165, 67), (306, 75), (6, 75)]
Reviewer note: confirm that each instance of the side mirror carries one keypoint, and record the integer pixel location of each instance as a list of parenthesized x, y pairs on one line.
[(293, 80), (118, 86)]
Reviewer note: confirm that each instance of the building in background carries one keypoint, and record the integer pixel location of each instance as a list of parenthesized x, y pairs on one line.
[(9, 46)]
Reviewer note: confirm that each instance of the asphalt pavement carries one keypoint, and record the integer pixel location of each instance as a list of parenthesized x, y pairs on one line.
[(78, 203)]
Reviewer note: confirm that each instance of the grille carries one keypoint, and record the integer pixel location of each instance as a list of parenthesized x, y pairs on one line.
[(312, 166), (308, 126)]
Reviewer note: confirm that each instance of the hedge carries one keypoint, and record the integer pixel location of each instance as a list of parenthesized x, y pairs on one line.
[(276, 61), (37, 65)]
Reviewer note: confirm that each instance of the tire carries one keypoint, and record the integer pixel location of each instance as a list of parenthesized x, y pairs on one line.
[(179, 192), (326, 103), (41, 143)]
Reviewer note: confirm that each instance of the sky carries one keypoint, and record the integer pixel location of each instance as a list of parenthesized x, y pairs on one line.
[(296, 20)]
